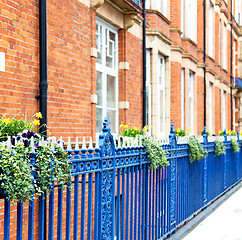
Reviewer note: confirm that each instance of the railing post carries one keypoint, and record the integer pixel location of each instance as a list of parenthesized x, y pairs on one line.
[(205, 168), (237, 158), (173, 164), (107, 187), (225, 160)]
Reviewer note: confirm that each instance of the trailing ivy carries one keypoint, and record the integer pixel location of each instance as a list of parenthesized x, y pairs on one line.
[(155, 153), (16, 175), (219, 148), (16, 178), (235, 146), (197, 152), (51, 166)]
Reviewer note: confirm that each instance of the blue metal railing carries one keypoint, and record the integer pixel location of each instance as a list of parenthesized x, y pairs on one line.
[(237, 82), (116, 194)]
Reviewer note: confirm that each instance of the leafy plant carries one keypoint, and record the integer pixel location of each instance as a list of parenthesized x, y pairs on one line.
[(197, 152), (127, 131), (180, 132), (20, 178), (228, 132), (16, 178), (209, 133), (155, 153), (219, 148), (12, 127), (235, 146), (51, 166)]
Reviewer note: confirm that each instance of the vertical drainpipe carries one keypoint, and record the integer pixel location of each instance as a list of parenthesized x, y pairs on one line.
[(43, 85), (204, 61), (144, 64), (231, 65), (144, 113)]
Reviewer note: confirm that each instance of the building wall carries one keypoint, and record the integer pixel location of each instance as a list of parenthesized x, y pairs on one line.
[(72, 53)]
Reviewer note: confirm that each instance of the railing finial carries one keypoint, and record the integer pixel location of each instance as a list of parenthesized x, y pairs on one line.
[(106, 125), (172, 128)]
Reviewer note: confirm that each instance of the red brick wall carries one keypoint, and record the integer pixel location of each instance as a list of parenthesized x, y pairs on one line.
[(131, 81), (19, 41), (71, 29), (176, 94)]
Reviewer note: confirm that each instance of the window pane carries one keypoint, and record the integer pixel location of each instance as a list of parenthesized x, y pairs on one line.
[(99, 88), (111, 101), (99, 119), (112, 117), (110, 49), (162, 111), (147, 105), (99, 43)]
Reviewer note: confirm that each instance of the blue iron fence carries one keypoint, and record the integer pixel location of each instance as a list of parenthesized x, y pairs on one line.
[(116, 195)]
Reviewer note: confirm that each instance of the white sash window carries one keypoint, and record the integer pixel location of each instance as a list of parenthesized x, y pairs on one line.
[(191, 101), (161, 94), (106, 75)]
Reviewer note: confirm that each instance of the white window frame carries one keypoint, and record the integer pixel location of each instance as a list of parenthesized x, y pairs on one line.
[(183, 98), (147, 4), (210, 106), (148, 87), (237, 14), (211, 27), (191, 101), (225, 47), (162, 99), (105, 70), (224, 110), (162, 6)]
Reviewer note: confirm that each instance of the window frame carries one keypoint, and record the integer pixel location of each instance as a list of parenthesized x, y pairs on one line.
[(162, 7), (224, 110), (210, 106), (148, 87), (162, 99), (108, 71), (183, 98), (191, 100), (224, 47), (211, 29)]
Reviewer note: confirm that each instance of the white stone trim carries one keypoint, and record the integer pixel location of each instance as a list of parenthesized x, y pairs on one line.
[(124, 105), (123, 65)]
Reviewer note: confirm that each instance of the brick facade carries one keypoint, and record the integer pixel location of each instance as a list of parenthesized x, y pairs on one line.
[(71, 66)]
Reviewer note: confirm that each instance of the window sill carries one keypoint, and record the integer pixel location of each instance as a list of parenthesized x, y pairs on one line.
[(159, 14), (189, 40)]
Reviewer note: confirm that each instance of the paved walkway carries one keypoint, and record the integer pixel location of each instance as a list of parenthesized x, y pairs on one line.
[(225, 223)]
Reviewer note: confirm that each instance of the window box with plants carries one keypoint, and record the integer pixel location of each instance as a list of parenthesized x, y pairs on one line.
[(28, 163), (154, 151)]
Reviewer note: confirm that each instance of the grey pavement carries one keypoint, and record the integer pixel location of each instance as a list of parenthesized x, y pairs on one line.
[(224, 223)]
